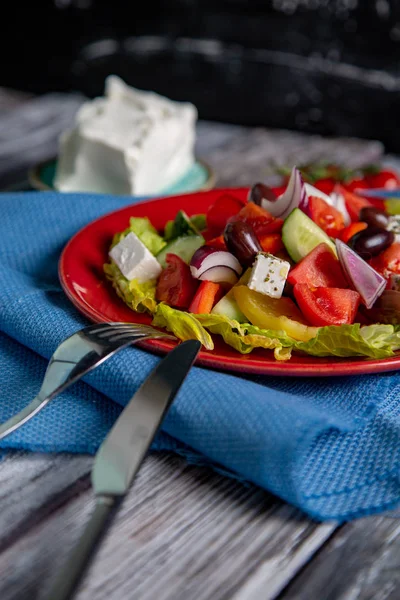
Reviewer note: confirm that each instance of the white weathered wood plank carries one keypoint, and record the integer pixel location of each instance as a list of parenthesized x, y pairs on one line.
[(360, 562), (183, 533), (273, 577), (31, 484)]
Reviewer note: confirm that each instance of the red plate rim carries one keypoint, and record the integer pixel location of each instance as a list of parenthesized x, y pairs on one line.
[(223, 357)]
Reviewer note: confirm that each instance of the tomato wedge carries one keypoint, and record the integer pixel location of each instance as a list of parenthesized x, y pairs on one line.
[(176, 286), (320, 268), (260, 219), (386, 178), (325, 216), (323, 306), (388, 261), (354, 203)]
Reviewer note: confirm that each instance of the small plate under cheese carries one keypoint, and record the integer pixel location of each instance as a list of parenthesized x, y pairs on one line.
[(129, 142)]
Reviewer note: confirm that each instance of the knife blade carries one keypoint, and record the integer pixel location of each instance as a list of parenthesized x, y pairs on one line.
[(120, 455)]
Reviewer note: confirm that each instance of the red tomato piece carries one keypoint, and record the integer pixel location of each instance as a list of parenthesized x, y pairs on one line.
[(175, 285), (351, 230), (357, 183), (217, 242), (224, 207), (386, 178), (320, 268), (206, 297), (325, 185), (325, 216), (271, 242), (354, 203), (323, 306), (260, 219), (388, 261)]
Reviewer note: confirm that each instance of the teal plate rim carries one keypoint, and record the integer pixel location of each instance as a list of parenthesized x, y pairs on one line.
[(200, 177)]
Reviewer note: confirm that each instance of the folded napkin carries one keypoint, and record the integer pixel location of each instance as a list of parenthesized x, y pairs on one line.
[(330, 446)]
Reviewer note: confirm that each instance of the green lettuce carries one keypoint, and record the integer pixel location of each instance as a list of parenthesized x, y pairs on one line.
[(374, 341), (141, 297), (184, 225), (244, 337), (145, 231), (183, 325)]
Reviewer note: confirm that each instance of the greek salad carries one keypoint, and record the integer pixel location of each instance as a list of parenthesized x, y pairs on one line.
[(306, 268)]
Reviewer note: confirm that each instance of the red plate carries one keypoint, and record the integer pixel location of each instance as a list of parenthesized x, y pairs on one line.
[(82, 278)]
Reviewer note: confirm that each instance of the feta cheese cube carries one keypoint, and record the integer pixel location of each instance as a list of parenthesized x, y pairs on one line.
[(268, 275), (394, 225), (394, 282), (127, 142), (134, 260)]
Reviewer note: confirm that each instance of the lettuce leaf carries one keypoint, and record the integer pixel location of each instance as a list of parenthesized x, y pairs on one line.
[(141, 297), (244, 337), (184, 225), (182, 324), (374, 341), (145, 231)]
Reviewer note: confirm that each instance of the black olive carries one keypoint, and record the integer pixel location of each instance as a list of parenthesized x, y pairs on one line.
[(241, 240), (259, 191), (371, 241), (374, 216), (385, 310)]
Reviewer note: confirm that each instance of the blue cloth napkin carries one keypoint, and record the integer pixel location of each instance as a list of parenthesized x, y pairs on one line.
[(330, 446)]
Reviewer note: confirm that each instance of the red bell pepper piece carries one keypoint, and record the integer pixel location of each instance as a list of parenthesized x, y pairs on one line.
[(351, 230), (206, 297), (271, 242), (175, 285), (217, 242)]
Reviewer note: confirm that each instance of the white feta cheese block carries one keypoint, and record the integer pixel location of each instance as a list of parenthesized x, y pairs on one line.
[(134, 260), (268, 275), (394, 282), (129, 142), (394, 225)]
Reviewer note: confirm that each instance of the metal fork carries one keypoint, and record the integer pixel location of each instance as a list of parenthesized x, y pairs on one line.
[(76, 356)]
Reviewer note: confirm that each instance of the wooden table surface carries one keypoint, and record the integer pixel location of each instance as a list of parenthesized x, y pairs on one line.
[(184, 532)]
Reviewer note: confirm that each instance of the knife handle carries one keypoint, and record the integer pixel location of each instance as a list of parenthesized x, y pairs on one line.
[(73, 570)]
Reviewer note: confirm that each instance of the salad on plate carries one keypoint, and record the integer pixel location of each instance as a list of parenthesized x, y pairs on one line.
[(295, 269)]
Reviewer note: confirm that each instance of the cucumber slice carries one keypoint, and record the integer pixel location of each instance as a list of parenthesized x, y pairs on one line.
[(184, 247), (301, 235), (228, 307)]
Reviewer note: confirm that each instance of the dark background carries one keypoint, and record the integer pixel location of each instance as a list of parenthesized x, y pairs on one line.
[(321, 66)]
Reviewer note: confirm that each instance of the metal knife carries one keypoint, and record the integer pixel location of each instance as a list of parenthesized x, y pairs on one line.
[(119, 457)]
